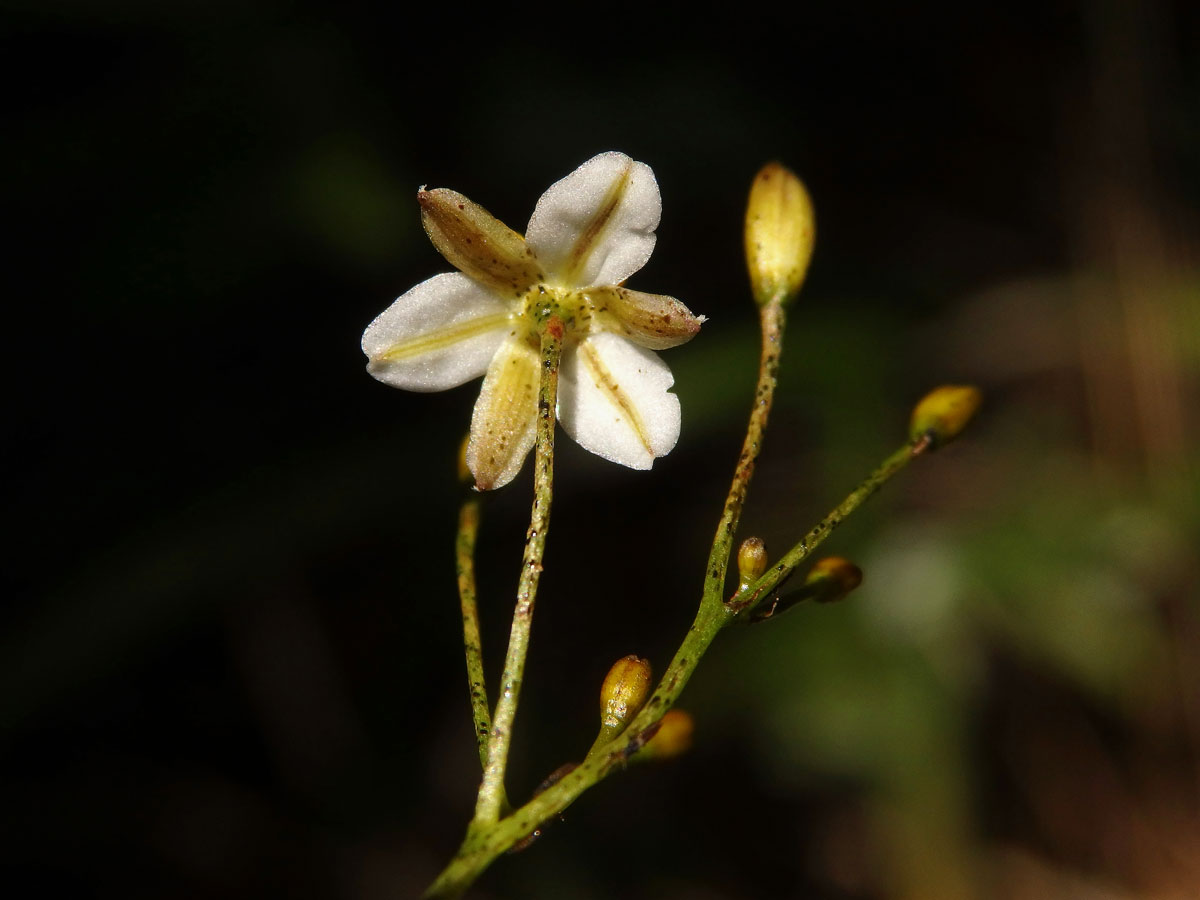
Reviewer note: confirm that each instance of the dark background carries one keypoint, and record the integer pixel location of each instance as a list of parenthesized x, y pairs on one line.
[(229, 653)]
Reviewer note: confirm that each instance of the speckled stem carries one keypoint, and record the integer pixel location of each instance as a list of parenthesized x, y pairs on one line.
[(464, 555), (488, 837), (484, 844), (753, 594), (490, 800), (772, 319)]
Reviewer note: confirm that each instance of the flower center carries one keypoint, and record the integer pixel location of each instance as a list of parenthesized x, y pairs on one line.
[(574, 308)]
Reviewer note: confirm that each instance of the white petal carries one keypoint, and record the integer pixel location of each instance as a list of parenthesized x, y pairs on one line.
[(614, 399), (596, 226), (440, 334), (504, 423)]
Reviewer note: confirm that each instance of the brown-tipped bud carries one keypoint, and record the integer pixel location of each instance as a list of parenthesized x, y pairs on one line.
[(780, 230), (943, 413), (672, 738), (828, 581), (751, 560), (832, 578), (625, 689)]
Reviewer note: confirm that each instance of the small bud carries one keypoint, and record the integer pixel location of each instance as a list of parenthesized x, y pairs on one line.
[(780, 230), (751, 560), (828, 581), (672, 738), (943, 413), (625, 689), (832, 578)]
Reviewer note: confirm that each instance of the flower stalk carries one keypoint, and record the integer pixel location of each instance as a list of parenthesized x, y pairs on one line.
[(780, 230), (490, 800), (464, 558), (772, 320), (486, 842)]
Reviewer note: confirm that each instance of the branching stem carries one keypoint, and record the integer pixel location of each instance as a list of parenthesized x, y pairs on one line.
[(488, 835), (483, 845), (753, 594), (772, 319)]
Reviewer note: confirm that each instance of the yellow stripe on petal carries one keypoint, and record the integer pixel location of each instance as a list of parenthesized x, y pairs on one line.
[(442, 339), (594, 231), (437, 335), (608, 385), (596, 226), (614, 399), (504, 421)]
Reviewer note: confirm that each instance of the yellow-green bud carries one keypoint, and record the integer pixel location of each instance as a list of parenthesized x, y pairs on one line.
[(832, 578), (672, 738), (751, 560), (780, 230), (943, 413), (625, 689)]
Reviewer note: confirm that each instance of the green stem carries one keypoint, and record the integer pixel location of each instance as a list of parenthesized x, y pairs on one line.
[(488, 836), (753, 594), (464, 556), (483, 845), (490, 800), (772, 320)]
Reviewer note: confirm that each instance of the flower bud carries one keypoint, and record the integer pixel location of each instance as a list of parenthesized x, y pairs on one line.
[(780, 230), (672, 738), (751, 560), (832, 578), (828, 581), (943, 413), (625, 689)]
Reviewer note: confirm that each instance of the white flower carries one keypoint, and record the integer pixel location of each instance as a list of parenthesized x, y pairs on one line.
[(589, 232)]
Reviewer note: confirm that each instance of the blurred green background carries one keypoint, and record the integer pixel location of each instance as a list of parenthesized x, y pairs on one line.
[(229, 654)]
